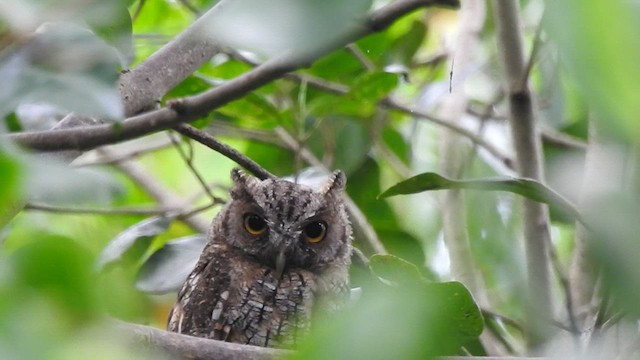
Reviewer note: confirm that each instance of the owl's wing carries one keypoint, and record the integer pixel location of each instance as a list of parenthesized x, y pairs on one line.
[(197, 285), (177, 314)]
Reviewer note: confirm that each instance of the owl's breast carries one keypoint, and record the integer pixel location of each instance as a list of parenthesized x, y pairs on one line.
[(265, 310)]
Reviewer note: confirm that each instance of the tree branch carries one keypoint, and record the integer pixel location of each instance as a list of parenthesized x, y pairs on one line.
[(162, 195), (529, 160), (231, 153), (191, 108), (142, 88), (185, 346)]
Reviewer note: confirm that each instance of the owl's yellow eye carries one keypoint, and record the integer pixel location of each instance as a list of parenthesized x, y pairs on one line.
[(254, 224), (314, 232)]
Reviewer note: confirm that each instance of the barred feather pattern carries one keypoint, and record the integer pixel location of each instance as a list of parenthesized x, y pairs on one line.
[(235, 292)]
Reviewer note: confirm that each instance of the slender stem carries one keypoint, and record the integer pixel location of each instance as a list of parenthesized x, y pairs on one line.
[(226, 150), (529, 160)]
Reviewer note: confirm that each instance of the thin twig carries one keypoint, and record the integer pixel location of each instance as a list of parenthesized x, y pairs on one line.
[(566, 289), (190, 7), (226, 150), (162, 195), (137, 11), (361, 57), (188, 159), (494, 151), (100, 211), (339, 89)]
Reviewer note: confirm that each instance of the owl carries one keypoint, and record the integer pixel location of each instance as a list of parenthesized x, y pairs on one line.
[(278, 252)]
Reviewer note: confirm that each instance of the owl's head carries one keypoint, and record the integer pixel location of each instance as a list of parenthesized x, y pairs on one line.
[(287, 225)]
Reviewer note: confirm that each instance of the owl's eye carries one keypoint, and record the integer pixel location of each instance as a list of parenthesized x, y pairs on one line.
[(254, 224), (314, 232)]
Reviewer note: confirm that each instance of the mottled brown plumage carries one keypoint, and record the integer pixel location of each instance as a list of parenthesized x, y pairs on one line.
[(278, 252)]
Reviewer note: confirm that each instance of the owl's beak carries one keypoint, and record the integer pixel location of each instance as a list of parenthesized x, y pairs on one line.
[(281, 262)]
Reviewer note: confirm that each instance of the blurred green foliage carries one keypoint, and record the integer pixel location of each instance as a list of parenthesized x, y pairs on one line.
[(54, 297)]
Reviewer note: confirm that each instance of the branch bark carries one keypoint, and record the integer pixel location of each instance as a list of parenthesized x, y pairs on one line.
[(191, 108), (142, 88), (529, 164), (227, 151), (185, 346)]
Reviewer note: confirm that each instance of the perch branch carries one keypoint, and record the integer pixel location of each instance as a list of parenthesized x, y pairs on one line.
[(185, 346)]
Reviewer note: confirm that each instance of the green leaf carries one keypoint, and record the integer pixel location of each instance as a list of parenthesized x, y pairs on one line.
[(133, 242), (11, 200), (60, 271), (168, 268), (13, 123), (404, 47), (394, 269), (190, 86), (252, 111), (607, 77), (417, 321), (528, 188), (374, 86)]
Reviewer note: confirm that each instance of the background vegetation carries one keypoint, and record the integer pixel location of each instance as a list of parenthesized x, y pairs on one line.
[(491, 150)]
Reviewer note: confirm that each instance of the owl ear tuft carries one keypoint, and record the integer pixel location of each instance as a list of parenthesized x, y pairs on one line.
[(242, 182), (336, 183)]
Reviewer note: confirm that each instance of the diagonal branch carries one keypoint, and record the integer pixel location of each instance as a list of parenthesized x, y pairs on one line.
[(233, 154), (191, 108)]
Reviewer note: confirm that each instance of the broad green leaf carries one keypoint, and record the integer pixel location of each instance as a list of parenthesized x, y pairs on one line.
[(598, 43), (11, 199), (396, 143), (252, 111), (363, 187), (168, 268), (404, 47), (190, 86), (60, 271), (528, 188), (340, 135), (417, 321), (374, 86), (133, 242), (12, 123), (394, 269)]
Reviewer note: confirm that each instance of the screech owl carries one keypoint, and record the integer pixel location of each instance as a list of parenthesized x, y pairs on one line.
[(277, 253)]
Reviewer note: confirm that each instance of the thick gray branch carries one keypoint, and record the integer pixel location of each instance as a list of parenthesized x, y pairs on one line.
[(189, 109), (189, 347), (143, 87)]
